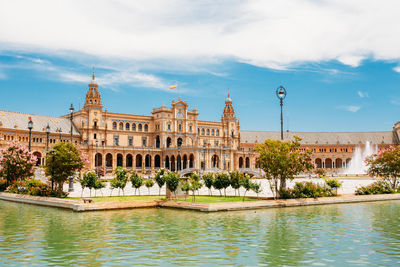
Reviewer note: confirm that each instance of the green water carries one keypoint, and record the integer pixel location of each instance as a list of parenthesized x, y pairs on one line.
[(350, 234)]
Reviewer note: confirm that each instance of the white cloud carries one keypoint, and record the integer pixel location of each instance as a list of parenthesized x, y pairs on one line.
[(275, 33), (350, 108), (362, 94), (396, 69)]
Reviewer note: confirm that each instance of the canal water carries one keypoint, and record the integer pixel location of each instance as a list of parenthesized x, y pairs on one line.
[(331, 235)]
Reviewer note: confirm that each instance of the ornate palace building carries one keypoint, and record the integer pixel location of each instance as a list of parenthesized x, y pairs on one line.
[(173, 138)]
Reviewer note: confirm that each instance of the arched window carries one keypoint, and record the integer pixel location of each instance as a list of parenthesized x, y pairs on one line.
[(208, 131), (247, 162), (121, 126), (168, 141), (148, 161), (140, 127), (198, 130), (212, 132), (114, 125), (138, 161), (98, 160), (109, 160), (119, 160), (146, 128), (127, 127), (179, 142), (157, 142), (202, 131), (129, 161), (133, 127), (217, 133), (240, 162), (157, 161)]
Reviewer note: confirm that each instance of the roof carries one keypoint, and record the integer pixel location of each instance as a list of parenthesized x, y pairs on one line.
[(17, 120), (321, 138)]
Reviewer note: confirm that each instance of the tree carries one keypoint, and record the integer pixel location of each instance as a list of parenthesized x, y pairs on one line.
[(256, 188), (63, 162), (386, 165), (120, 180), (149, 184), (221, 181), (235, 178), (88, 180), (137, 181), (195, 185), (208, 179), (185, 187), (16, 163), (282, 160), (172, 181), (160, 180), (247, 184)]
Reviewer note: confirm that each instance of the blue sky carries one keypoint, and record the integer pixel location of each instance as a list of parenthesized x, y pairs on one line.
[(338, 60)]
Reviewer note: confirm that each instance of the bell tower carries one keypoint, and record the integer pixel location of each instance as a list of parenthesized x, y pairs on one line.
[(229, 112), (93, 98)]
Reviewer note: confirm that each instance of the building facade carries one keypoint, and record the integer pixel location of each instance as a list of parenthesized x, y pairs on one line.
[(173, 138)]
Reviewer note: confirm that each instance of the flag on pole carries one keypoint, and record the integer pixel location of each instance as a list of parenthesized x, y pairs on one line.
[(173, 86)]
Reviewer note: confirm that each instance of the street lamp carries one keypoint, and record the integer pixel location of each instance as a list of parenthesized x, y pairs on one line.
[(59, 131), (204, 157), (47, 136), (71, 110), (96, 158), (281, 94), (30, 127), (51, 152)]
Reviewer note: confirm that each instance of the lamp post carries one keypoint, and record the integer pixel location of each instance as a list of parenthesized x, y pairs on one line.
[(30, 127), (47, 136), (281, 94), (51, 152), (224, 151), (96, 159), (71, 110), (204, 158)]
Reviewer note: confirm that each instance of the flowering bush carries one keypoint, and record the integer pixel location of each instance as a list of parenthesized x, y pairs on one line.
[(16, 162), (306, 190), (386, 165), (378, 187), (34, 188), (3, 185)]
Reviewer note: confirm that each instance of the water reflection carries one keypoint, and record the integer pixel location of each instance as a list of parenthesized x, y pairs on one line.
[(353, 234)]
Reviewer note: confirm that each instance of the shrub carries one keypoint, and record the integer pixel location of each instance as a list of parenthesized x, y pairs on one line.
[(378, 187), (34, 188), (320, 172), (3, 185), (306, 190)]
